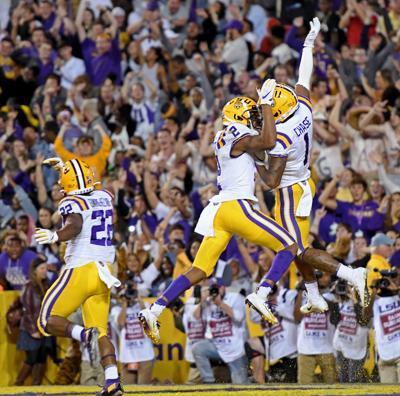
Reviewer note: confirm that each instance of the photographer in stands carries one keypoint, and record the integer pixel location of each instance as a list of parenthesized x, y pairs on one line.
[(351, 336), (224, 314), (382, 249), (135, 349), (385, 303)]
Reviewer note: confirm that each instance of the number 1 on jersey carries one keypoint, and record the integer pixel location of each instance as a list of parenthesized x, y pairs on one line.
[(307, 150)]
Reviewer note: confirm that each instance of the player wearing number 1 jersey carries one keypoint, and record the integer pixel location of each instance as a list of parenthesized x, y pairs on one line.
[(288, 169), (86, 279)]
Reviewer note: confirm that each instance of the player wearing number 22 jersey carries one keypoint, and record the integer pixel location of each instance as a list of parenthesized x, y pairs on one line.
[(234, 211), (86, 280)]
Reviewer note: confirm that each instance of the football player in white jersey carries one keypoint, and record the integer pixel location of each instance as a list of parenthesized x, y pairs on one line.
[(288, 170), (232, 211), (86, 279)]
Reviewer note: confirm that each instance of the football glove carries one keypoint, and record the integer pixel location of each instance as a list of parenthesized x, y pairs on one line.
[(44, 236), (266, 93), (315, 26)]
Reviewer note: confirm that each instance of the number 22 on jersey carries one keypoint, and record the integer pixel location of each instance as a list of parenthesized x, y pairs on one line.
[(102, 230)]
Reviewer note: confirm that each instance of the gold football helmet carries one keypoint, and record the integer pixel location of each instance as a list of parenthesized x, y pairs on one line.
[(285, 102), (243, 110), (76, 177)]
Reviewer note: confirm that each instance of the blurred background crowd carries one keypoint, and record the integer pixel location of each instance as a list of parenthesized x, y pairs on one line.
[(135, 89)]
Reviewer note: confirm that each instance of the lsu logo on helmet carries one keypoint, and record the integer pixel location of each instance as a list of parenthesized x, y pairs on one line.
[(76, 177), (285, 102), (243, 110)]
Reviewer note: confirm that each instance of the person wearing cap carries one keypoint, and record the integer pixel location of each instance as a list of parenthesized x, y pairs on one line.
[(68, 67), (382, 249), (236, 52)]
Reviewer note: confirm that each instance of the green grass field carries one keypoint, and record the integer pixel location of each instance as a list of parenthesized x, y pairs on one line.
[(215, 390)]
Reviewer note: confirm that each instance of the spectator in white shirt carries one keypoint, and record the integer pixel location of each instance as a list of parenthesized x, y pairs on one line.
[(136, 352), (385, 304), (236, 52), (280, 340), (67, 66), (142, 277), (314, 341)]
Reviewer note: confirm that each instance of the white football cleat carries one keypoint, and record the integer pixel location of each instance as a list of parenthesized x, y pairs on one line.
[(150, 325), (254, 301), (315, 304), (359, 282)]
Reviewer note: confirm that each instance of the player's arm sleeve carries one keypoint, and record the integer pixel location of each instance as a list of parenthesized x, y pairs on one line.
[(306, 68), (234, 134), (71, 205), (282, 146)]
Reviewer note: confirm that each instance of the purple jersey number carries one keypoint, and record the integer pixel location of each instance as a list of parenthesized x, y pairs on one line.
[(307, 150), (105, 225)]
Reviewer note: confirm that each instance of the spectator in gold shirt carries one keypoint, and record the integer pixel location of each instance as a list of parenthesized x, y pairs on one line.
[(84, 150)]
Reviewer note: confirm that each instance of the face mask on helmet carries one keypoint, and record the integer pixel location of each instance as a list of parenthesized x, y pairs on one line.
[(285, 102), (242, 110), (255, 118)]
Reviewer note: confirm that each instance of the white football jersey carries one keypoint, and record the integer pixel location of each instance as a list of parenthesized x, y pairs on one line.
[(235, 175), (294, 140), (94, 242)]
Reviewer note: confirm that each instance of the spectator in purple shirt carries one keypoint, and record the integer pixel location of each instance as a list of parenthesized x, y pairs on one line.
[(14, 263), (45, 62), (361, 214), (104, 60), (47, 14)]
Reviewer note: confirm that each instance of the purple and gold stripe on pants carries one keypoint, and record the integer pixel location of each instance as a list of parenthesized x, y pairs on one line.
[(287, 213), (267, 224), (51, 297)]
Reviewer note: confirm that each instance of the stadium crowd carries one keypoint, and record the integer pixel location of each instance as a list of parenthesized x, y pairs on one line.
[(135, 89)]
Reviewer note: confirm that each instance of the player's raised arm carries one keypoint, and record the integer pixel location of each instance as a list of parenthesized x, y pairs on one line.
[(306, 63), (266, 139)]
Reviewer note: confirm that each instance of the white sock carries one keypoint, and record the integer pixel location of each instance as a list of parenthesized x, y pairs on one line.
[(312, 289), (345, 272), (111, 372), (76, 332), (264, 291), (157, 309)]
